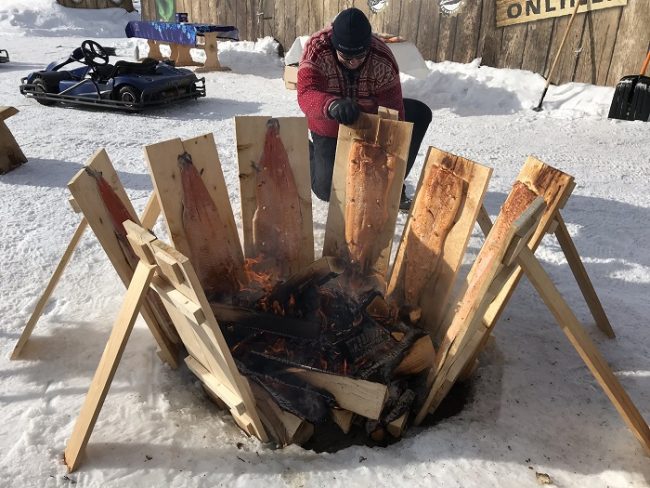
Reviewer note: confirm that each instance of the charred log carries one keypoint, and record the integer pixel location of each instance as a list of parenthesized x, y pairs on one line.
[(292, 394)]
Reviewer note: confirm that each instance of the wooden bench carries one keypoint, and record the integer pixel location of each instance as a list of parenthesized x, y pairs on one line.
[(181, 37)]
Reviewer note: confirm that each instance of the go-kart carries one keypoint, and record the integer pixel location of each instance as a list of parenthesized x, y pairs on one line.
[(124, 85), (4, 56)]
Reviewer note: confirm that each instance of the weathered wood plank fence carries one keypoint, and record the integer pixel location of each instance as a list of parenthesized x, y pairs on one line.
[(125, 4), (603, 44)]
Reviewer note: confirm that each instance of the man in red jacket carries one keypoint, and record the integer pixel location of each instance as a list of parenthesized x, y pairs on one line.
[(346, 70)]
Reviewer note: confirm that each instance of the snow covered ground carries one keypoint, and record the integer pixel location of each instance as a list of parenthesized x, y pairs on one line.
[(534, 406)]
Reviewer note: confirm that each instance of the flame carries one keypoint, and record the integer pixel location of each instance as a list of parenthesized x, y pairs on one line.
[(264, 279)]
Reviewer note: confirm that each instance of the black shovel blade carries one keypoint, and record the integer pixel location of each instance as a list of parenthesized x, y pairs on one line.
[(631, 99)]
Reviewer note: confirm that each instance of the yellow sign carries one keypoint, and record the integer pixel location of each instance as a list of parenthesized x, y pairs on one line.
[(519, 11)]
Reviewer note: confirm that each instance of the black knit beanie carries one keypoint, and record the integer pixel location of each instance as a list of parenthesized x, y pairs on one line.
[(351, 32)]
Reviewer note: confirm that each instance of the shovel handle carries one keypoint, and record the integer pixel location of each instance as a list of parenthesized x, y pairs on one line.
[(644, 68)]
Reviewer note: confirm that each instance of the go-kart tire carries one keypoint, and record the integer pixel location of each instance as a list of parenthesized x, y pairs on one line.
[(41, 87), (129, 94)]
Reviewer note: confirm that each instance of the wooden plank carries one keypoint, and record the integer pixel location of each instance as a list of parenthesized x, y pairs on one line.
[(229, 397), (409, 20), (250, 134), (597, 46), (518, 218), (428, 32), (54, 279), (330, 10), (83, 188), (199, 336), (489, 38), (221, 12), (555, 187), (302, 18), (566, 63), (108, 363), (513, 40), (359, 396), (392, 17), (580, 273), (467, 32), (536, 50), (446, 37), (511, 12), (447, 239), (316, 20), (280, 24), (630, 50), (395, 138), (163, 164), (585, 347), (200, 331), (521, 210), (240, 16)]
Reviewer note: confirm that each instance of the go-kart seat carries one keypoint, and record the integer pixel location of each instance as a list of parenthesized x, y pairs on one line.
[(146, 67), (53, 77), (107, 71)]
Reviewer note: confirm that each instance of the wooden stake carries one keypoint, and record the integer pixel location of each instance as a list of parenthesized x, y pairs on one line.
[(108, 364), (40, 305)]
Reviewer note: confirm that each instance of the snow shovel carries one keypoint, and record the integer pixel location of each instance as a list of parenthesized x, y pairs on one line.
[(538, 108), (632, 96)]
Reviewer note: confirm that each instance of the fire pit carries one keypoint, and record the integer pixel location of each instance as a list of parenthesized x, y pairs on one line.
[(287, 341), (330, 339)]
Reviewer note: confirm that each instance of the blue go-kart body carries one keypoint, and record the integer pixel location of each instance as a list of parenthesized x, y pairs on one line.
[(125, 85)]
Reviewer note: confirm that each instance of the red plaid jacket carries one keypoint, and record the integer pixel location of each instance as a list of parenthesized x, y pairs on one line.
[(322, 79)]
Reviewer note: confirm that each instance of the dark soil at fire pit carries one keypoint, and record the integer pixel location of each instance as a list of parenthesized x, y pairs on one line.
[(329, 438)]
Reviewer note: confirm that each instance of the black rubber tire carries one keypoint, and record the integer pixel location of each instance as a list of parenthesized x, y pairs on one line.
[(129, 94), (41, 87)]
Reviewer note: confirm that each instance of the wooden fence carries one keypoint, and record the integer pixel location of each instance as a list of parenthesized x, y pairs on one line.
[(125, 4), (602, 46)]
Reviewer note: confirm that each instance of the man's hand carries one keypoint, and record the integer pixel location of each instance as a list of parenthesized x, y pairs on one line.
[(344, 110)]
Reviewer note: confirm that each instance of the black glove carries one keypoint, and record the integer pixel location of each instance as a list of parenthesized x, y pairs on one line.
[(344, 110)]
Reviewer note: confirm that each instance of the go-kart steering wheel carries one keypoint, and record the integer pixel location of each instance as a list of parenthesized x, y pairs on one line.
[(92, 52)]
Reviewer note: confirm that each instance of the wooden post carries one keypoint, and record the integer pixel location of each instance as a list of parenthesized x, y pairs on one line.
[(154, 50), (11, 156), (209, 45), (108, 364)]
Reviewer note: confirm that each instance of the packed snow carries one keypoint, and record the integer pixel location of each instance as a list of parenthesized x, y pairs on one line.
[(534, 409)]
